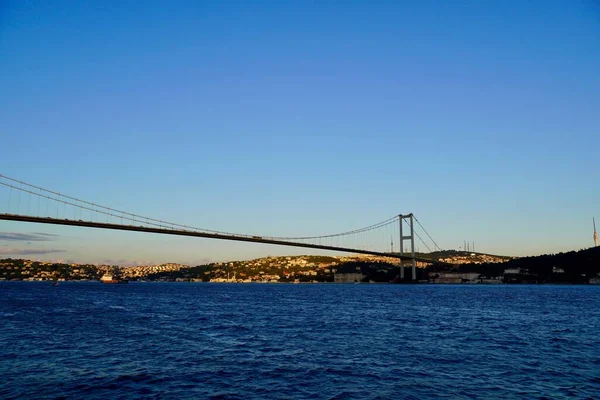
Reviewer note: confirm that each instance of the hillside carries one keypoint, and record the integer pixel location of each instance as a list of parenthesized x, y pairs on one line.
[(572, 266), (305, 268), (457, 254)]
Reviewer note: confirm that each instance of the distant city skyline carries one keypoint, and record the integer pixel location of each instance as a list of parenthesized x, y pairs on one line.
[(284, 119)]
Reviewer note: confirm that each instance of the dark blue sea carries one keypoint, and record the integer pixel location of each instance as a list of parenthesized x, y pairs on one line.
[(283, 341)]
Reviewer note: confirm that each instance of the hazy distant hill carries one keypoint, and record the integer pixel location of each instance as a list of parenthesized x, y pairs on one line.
[(445, 254)]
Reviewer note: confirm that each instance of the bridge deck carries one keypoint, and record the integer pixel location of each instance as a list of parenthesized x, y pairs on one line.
[(165, 231)]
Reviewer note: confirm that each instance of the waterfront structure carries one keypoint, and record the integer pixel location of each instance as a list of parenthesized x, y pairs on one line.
[(454, 277), (110, 278), (348, 278)]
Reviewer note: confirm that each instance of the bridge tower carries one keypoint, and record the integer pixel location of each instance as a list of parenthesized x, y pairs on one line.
[(410, 220)]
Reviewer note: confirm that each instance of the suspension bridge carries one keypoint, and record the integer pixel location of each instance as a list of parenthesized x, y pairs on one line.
[(30, 203)]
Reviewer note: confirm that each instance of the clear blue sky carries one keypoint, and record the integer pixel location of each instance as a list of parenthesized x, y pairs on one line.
[(293, 118)]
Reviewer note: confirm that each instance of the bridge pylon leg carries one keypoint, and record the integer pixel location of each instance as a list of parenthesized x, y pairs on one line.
[(411, 238)]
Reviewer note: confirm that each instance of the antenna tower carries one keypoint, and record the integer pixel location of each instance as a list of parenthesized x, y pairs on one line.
[(595, 233)]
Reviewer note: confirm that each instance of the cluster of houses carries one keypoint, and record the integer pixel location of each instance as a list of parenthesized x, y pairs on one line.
[(474, 258), (28, 270), (140, 272)]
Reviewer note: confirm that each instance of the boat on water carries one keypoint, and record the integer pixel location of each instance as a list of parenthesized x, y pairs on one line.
[(110, 278)]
